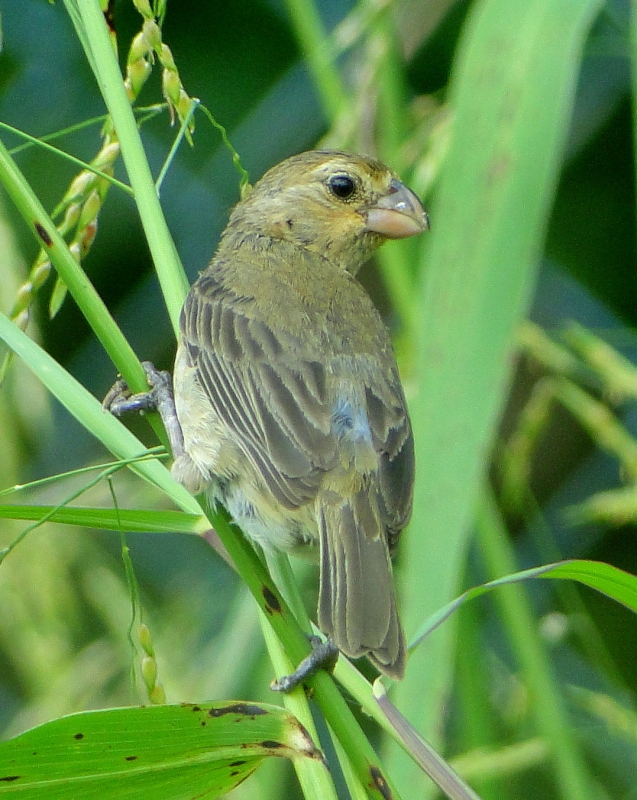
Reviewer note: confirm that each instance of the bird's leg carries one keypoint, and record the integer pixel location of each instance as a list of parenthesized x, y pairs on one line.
[(324, 655), (160, 398)]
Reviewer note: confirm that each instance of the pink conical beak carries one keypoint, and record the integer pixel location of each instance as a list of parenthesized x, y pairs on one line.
[(397, 214)]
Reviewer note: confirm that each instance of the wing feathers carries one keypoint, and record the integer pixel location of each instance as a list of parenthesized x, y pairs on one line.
[(276, 413), (276, 403)]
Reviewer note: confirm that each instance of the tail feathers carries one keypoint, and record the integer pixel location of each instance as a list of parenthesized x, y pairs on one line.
[(357, 605)]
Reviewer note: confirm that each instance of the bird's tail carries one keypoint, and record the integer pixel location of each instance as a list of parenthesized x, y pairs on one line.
[(357, 605)]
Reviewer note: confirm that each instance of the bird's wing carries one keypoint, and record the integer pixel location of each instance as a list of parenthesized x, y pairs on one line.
[(271, 400), (393, 440), (272, 396)]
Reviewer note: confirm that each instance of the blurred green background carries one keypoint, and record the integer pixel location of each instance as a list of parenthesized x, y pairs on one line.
[(64, 605)]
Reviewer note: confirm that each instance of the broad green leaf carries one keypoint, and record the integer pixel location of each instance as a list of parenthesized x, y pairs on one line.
[(166, 752)]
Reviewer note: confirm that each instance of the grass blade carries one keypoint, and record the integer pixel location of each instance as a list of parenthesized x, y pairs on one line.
[(512, 95), (109, 519), (89, 412), (549, 710)]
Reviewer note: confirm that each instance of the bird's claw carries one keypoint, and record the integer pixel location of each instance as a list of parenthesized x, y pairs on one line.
[(324, 655), (116, 395), (120, 400)]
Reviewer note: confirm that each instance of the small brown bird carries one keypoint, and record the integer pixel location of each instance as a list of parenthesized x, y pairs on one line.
[(287, 390)]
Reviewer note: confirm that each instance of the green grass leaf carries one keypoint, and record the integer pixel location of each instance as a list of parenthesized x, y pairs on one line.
[(511, 99), (611, 581), (89, 412), (110, 519)]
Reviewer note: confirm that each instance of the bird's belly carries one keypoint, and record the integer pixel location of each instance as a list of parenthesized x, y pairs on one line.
[(203, 434), (264, 521), (214, 463)]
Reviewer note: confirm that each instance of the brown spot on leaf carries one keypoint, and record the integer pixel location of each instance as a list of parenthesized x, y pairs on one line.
[(10, 778), (270, 745), (378, 780), (238, 763), (131, 758), (272, 605), (79, 736), (43, 234), (243, 709), (191, 706)]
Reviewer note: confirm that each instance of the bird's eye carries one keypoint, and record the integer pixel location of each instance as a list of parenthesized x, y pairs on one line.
[(342, 186)]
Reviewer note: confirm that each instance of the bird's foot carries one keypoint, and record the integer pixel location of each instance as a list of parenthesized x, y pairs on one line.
[(119, 400), (324, 655)]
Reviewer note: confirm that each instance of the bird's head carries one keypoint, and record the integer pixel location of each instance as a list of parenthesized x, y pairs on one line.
[(340, 205)]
